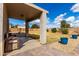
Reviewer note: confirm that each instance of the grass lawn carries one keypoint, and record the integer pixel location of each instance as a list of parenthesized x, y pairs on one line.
[(51, 37)]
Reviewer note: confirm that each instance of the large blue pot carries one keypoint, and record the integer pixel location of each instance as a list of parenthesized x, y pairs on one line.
[(74, 36), (63, 40)]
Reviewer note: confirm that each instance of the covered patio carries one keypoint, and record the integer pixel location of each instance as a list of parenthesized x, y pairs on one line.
[(22, 11)]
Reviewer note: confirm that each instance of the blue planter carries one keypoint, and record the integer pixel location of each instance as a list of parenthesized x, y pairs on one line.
[(74, 36), (63, 40)]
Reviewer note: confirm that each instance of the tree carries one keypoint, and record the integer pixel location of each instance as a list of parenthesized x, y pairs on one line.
[(16, 26), (63, 24), (64, 27), (11, 25), (35, 26), (68, 25)]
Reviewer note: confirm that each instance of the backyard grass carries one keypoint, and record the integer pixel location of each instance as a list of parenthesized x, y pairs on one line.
[(51, 37)]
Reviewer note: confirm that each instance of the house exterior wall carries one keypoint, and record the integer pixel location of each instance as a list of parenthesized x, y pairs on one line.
[(5, 20), (1, 29), (3, 26)]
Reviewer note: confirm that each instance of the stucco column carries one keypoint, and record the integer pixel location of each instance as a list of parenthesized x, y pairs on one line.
[(1, 29), (26, 28), (43, 19)]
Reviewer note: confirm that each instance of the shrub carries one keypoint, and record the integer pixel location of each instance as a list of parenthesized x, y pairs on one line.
[(54, 30), (35, 26), (64, 30), (47, 30)]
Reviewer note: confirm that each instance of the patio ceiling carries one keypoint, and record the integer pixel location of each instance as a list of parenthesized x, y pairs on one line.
[(23, 11)]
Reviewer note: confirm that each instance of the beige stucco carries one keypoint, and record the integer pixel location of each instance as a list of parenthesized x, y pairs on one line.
[(43, 20), (1, 29), (5, 20)]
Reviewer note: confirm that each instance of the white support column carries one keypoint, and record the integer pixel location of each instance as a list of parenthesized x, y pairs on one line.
[(43, 19), (1, 29)]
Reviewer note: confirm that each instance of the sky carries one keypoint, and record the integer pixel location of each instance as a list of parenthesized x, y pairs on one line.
[(57, 13)]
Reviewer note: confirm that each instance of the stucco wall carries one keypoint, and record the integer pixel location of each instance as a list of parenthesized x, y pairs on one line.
[(3, 26), (5, 23), (1, 29), (5, 20)]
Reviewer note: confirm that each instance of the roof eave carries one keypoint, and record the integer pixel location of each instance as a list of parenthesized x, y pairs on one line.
[(36, 7)]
